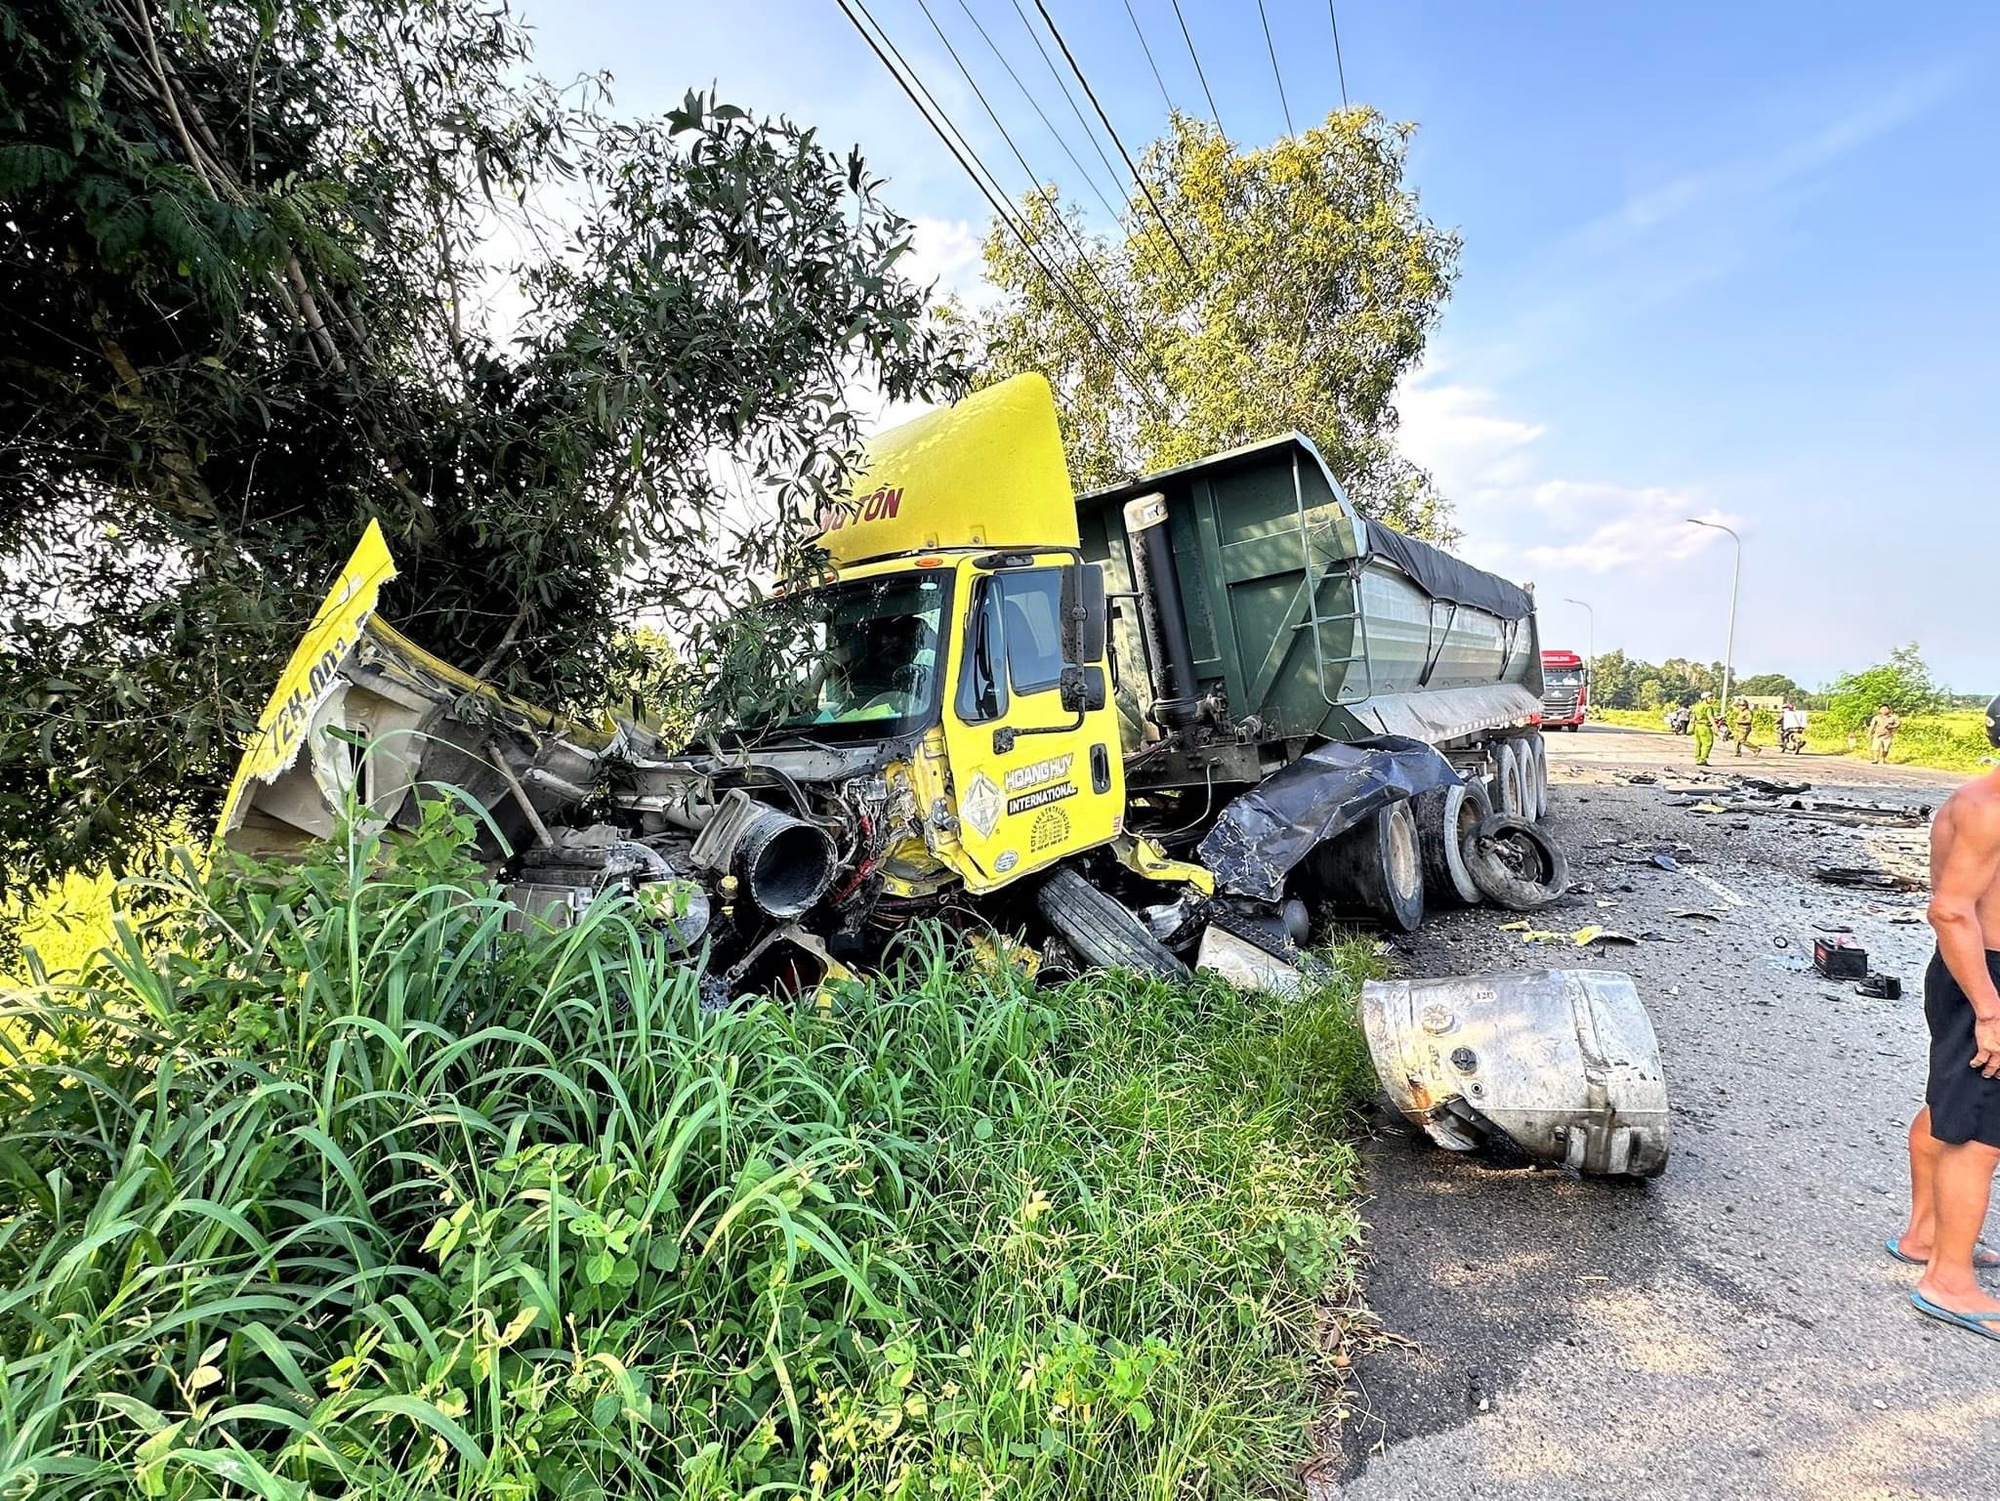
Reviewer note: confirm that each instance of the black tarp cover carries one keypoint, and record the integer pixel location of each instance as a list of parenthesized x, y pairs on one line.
[(1445, 577), (1262, 834)]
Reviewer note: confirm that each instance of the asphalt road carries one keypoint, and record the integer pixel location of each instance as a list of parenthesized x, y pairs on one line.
[(1733, 1328)]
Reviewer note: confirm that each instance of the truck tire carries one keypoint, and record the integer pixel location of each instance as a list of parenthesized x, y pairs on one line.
[(1378, 867), (1507, 781), (1101, 929), (1538, 777), (1446, 818), (1516, 865)]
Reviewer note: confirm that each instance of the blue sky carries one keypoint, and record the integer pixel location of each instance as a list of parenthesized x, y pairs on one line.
[(1723, 260)]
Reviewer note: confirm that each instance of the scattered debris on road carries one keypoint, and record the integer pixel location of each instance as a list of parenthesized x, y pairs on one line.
[(1840, 956), (1872, 878)]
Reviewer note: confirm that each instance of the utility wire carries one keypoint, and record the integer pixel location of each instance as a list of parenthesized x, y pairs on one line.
[(1339, 67), (1069, 97), (962, 152), (1140, 33), (1033, 103), (1112, 131), (1269, 47), (1083, 255), (1188, 37)]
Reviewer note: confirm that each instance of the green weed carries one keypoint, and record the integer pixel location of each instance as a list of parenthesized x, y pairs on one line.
[(328, 1183)]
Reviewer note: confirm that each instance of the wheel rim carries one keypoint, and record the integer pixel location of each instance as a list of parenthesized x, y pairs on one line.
[(1405, 862)]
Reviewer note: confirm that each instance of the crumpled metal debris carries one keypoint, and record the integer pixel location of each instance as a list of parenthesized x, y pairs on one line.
[(1871, 877), (1562, 1063), (1332, 788)]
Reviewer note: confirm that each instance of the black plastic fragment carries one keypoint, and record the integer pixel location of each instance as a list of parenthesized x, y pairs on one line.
[(1261, 835)]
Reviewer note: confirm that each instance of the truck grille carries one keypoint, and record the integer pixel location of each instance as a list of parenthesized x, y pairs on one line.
[(1556, 707)]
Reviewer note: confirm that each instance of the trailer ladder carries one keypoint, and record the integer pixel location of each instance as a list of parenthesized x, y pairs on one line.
[(1316, 575)]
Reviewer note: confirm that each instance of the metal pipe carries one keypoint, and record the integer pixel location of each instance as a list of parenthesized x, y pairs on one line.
[(1174, 704)]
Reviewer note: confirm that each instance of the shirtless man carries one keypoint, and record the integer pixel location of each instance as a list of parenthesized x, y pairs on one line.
[(1955, 1139)]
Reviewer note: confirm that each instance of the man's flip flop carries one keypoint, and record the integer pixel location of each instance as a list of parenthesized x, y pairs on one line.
[(1980, 1324), (1984, 1257)]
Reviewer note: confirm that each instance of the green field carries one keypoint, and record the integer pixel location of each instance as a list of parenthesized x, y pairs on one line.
[(1951, 741), (337, 1186)]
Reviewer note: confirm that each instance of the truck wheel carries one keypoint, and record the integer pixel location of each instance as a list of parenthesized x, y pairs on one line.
[(1508, 782), (1516, 865), (1538, 777), (1378, 866), (1446, 818), (1101, 929)]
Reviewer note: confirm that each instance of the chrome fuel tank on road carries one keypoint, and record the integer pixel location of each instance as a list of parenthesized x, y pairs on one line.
[(1563, 1063)]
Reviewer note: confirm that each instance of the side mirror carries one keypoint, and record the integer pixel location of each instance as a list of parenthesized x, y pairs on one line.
[(1083, 690), (1086, 614)]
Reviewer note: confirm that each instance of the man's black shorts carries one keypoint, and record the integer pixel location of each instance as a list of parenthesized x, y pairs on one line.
[(1965, 1104)]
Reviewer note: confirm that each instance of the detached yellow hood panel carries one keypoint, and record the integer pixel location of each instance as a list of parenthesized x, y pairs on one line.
[(313, 671), (988, 472), (362, 715)]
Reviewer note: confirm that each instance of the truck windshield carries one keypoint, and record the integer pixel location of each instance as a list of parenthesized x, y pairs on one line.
[(1564, 677), (853, 661)]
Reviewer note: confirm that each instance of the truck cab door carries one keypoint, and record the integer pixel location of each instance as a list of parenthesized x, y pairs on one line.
[(1030, 736)]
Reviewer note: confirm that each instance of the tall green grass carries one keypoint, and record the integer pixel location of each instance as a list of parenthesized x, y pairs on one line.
[(331, 1185)]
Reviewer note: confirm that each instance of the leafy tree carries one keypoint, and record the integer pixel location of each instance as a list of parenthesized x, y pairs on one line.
[(242, 274), (1903, 682), (1611, 681), (1768, 685), (1289, 287)]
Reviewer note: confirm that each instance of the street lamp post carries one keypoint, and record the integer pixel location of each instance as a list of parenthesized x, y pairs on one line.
[(1735, 584)]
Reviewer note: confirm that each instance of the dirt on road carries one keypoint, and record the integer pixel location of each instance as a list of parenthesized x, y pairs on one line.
[(1735, 1327)]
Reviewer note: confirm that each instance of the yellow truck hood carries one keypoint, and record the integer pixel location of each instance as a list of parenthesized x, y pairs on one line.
[(363, 717)]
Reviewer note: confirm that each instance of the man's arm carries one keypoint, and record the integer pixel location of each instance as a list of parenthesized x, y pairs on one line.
[(1968, 870)]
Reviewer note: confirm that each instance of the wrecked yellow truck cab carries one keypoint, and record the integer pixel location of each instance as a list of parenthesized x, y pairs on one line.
[(1170, 724), (955, 736)]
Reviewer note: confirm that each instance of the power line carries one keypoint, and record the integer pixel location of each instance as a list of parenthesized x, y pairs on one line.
[(1069, 98), (1062, 83), (1112, 131), (1339, 67), (1272, 49), (1140, 33), (1034, 178), (1188, 37), (935, 117), (1033, 103)]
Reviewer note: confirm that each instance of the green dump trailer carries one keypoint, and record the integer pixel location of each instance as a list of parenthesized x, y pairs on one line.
[(1257, 609)]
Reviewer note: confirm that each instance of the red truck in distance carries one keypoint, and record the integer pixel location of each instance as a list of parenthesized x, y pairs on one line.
[(1565, 690)]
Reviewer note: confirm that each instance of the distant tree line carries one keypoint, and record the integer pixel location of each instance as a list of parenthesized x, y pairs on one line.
[(1904, 682)]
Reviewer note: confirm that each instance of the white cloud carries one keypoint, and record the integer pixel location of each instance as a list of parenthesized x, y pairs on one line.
[(1754, 178), (1518, 517), (1627, 528), (946, 251)]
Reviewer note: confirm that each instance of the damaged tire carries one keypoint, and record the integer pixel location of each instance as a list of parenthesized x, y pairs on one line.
[(1377, 867), (1447, 817), (1515, 865), (1100, 928)]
